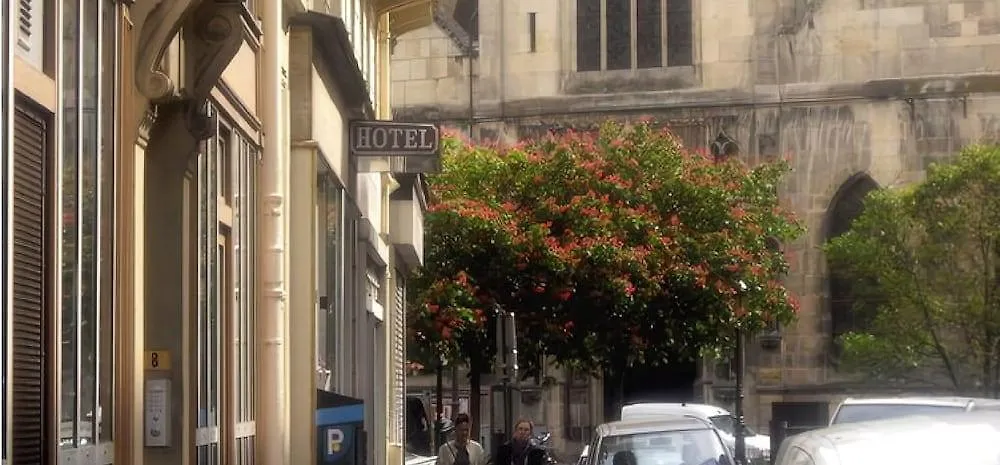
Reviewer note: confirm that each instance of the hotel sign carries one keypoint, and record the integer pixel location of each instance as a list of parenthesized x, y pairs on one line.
[(389, 138)]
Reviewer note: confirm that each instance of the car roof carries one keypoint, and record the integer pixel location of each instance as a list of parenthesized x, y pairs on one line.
[(659, 408), (920, 400), (859, 441), (649, 425)]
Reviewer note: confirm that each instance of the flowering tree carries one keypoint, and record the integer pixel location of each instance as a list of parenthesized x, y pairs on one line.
[(612, 247), (925, 262)]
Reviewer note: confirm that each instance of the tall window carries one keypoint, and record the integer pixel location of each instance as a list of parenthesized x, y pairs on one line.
[(848, 204), (225, 323), (88, 168), (329, 317), (578, 420), (633, 34)]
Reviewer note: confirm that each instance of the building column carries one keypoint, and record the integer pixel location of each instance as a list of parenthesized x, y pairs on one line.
[(155, 246), (169, 268), (303, 301)]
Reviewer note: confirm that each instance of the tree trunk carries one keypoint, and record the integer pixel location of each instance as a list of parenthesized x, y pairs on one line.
[(619, 367)]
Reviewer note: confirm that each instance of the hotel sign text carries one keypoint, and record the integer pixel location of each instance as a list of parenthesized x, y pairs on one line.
[(389, 138)]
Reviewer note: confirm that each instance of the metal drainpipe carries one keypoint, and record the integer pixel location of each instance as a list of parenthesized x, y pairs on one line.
[(503, 59), (7, 139), (271, 421)]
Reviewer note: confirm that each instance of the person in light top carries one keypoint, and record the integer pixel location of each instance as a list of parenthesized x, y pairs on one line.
[(462, 450)]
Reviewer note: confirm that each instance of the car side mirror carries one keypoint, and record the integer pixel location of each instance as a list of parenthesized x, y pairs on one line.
[(724, 460)]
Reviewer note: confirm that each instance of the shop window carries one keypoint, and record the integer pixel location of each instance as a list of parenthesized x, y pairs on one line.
[(330, 266), (87, 230), (226, 367)]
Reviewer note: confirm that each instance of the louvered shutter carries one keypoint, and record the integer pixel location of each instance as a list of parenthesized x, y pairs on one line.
[(30, 30), (29, 235), (398, 361)]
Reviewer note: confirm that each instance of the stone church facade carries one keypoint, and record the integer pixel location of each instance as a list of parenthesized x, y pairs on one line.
[(858, 94)]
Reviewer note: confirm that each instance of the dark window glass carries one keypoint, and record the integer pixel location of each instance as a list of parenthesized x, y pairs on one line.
[(467, 16), (588, 35), (70, 225), (849, 205), (679, 32), (649, 40), (89, 157), (619, 24)]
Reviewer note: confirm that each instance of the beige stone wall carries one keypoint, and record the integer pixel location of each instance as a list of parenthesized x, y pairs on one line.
[(738, 44), (428, 68)]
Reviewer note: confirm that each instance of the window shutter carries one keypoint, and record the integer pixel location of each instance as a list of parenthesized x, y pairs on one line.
[(29, 236), (30, 24), (398, 419)]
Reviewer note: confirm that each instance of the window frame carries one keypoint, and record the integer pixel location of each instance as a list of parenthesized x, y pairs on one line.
[(103, 22), (226, 286), (331, 273), (633, 39)]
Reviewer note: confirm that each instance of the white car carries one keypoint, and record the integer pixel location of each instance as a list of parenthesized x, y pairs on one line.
[(966, 438), (667, 440), (758, 446)]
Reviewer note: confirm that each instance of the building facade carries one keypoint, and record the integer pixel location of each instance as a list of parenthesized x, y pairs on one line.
[(858, 95), (136, 132)]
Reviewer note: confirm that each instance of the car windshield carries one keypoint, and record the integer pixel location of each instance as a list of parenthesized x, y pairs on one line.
[(727, 424), (869, 412), (684, 447)]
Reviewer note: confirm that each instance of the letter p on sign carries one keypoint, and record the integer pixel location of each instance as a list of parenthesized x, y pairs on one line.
[(334, 440)]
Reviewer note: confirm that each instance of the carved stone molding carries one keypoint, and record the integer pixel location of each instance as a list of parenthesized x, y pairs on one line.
[(159, 28), (173, 140), (213, 36)]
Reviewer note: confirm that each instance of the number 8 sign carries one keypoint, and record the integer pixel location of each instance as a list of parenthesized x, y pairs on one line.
[(157, 360)]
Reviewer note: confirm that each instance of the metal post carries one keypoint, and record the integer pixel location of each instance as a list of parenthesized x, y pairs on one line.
[(741, 449), (439, 406), (471, 53)]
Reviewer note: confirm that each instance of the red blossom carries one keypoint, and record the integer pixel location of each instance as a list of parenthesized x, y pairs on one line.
[(590, 212)]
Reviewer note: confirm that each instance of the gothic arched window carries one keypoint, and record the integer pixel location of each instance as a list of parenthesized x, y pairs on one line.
[(847, 205)]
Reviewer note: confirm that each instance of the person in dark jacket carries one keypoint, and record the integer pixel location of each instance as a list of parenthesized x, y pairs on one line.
[(519, 450)]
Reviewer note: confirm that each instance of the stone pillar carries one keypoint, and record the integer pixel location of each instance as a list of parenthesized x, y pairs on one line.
[(170, 274)]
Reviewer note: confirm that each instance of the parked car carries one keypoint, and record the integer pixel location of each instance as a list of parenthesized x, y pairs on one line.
[(414, 459), (853, 410), (758, 446), (971, 438), (667, 440)]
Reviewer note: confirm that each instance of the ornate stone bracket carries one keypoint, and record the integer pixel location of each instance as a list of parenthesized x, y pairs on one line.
[(213, 36), (214, 31), (159, 28)]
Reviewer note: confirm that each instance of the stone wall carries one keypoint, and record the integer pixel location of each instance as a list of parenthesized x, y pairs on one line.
[(839, 87)]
